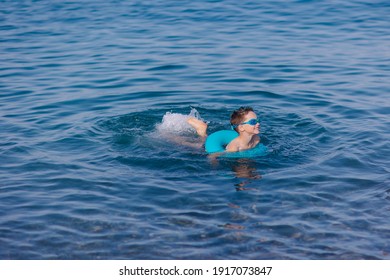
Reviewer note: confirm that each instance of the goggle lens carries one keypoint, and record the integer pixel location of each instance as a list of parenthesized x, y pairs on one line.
[(252, 122)]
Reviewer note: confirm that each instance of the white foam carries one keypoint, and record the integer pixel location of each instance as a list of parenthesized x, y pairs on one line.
[(177, 123)]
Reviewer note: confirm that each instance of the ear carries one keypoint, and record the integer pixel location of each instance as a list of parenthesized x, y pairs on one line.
[(241, 128)]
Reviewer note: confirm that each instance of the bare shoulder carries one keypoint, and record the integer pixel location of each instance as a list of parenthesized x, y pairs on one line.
[(233, 146), (256, 141)]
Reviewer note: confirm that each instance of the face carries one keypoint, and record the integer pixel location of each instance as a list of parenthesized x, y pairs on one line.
[(253, 129)]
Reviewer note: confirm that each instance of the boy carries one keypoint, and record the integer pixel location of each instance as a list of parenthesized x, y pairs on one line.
[(244, 121)]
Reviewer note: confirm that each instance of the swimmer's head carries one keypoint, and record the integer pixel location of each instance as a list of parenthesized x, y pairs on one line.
[(238, 116)]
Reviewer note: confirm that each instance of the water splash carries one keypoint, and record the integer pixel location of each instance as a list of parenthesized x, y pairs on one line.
[(176, 123)]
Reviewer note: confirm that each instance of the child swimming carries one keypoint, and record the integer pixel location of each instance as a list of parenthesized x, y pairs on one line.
[(244, 121)]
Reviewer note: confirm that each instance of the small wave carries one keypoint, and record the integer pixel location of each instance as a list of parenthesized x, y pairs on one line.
[(167, 67)]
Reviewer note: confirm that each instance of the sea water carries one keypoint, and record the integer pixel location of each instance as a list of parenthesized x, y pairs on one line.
[(94, 98)]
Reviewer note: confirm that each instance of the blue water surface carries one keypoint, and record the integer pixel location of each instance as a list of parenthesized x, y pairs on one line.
[(86, 172)]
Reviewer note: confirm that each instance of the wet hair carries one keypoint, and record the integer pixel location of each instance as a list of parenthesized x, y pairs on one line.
[(238, 116)]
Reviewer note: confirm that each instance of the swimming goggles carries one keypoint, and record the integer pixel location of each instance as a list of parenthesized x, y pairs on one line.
[(250, 122)]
